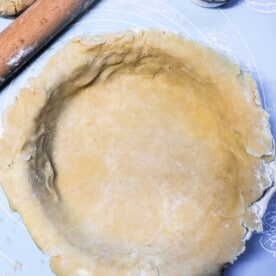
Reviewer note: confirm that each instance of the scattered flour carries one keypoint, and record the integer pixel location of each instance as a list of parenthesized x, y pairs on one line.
[(21, 54), (261, 205), (219, 40), (1, 130)]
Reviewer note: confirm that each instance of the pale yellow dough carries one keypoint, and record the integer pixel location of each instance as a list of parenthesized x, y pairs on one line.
[(137, 154), (14, 7)]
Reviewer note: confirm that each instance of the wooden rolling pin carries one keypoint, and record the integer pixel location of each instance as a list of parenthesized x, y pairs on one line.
[(32, 30)]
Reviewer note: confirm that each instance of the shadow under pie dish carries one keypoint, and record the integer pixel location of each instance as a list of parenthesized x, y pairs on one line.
[(137, 154)]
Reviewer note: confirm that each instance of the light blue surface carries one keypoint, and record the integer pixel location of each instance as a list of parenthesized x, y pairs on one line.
[(245, 31)]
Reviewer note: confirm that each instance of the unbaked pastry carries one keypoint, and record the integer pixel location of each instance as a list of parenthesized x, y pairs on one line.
[(137, 154), (14, 7)]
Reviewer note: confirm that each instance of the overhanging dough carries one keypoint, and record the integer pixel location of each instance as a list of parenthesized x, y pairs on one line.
[(137, 154)]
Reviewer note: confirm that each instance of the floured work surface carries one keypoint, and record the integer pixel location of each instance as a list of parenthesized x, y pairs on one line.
[(137, 153)]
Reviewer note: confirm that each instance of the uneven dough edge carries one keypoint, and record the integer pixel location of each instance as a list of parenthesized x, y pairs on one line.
[(67, 66)]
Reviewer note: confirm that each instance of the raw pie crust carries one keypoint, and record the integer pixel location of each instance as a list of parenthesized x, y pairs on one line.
[(137, 154)]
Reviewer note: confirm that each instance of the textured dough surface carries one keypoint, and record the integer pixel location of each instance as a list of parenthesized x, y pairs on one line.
[(14, 7), (137, 154)]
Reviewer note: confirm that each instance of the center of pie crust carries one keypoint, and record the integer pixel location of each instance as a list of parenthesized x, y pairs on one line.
[(125, 152)]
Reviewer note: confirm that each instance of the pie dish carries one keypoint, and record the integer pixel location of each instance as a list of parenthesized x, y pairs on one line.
[(137, 154)]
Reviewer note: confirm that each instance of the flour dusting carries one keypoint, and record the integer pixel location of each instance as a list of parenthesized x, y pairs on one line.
[(220, 41), (1, 130), (260, 206), (21, 54)]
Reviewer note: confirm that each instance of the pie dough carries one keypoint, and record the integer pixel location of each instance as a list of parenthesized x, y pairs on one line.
[(137, 154)]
